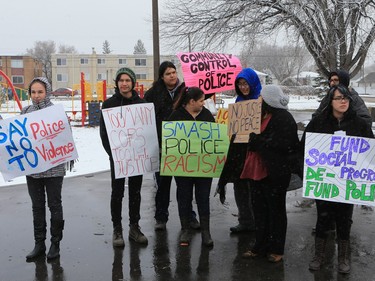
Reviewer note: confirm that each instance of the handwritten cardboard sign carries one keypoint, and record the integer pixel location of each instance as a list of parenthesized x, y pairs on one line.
[(35, 142), (133, 139), (339, 168), (193, 148), (211, 72), (244, 118)]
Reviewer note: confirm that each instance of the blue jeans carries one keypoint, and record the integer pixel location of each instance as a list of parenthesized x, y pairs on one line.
[(185, 186)]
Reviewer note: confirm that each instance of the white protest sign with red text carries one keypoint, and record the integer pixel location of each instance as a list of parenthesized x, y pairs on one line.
[(35, 142), (211, 72), (133, 139)]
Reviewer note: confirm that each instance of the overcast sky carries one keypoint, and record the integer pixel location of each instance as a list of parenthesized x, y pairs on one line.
[(80, 23)]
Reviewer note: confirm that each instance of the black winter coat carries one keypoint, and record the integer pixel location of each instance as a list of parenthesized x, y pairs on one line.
[(116, 100), (182, 114), (163, 103), (326, 123), (277, 143)]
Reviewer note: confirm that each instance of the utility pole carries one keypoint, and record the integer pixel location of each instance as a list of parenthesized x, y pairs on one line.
[(155, 37)]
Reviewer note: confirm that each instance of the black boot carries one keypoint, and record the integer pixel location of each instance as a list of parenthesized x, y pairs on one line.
[(343, 256), (185, 235), (39, 236), (57, 227), (318, 259), (205, 230), (39, 250)]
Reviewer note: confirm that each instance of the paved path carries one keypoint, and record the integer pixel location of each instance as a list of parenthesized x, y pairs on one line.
[(87, 253)]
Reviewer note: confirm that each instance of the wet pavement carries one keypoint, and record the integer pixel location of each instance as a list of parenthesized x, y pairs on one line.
[(87, 252)]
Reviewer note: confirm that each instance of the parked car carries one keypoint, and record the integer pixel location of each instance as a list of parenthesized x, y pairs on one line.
[(64, 92)]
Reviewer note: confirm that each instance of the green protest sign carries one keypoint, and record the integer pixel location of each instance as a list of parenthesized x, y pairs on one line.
[(339, 168), (193, 148)]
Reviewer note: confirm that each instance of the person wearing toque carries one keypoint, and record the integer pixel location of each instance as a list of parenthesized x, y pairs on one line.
[(124, 95), (269, 173)]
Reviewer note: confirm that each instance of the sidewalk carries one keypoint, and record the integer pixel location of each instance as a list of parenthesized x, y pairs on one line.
[(87, 253)]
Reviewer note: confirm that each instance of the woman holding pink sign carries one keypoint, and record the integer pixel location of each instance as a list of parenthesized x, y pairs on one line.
[(45, 183)]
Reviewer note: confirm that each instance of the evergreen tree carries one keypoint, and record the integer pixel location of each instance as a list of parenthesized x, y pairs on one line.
[(139, 48), (106, 47)]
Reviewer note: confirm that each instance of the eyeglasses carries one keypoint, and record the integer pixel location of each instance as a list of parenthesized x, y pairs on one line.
[(243, 85), (334, 80), (342, 98)]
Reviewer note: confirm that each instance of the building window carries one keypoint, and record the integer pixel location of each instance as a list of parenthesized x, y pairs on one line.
[(61, 61), (85, 61), (62, 78), (141, 76), (1, 62), (16, 63), (101, 61), (140, 62), (87, 76), (121, 61), (102, 76), (17, 79)]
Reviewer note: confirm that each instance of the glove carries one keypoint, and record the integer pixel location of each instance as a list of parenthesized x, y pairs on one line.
[(221, 190)]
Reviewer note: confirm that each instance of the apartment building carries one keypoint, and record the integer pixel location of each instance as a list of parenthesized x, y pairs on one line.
[(20, 69), (67, 68)]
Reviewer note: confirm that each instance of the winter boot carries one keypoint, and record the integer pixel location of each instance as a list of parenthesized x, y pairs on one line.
[(39, 236), (39, 250), (136, 234), (343, 256), (117, 238), (318, 259), (205, 230), (185, 235), (57, 227)]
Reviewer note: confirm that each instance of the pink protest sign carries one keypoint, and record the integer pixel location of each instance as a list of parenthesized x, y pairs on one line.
[(211, 72)]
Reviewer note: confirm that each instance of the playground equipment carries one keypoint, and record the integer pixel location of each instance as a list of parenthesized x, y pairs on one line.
[(9, 83), (91, 103)]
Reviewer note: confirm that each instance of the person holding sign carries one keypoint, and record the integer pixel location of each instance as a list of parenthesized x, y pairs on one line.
[(164, 92), (339, 115), (45, 183), (190, 106), (248, 87), (269, 172), (124, 95)]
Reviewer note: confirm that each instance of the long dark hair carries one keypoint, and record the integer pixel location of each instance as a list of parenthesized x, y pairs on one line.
[(162, 68), (187, 94)]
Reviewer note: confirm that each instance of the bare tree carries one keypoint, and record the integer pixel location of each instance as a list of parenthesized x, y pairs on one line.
[(281, 61), (66, 49), (337, 33), (106, 47), (42, 52), (139, 48)]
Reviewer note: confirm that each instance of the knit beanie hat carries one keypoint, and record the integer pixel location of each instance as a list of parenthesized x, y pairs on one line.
[(128, 72), (42, 80), (274, 96)]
